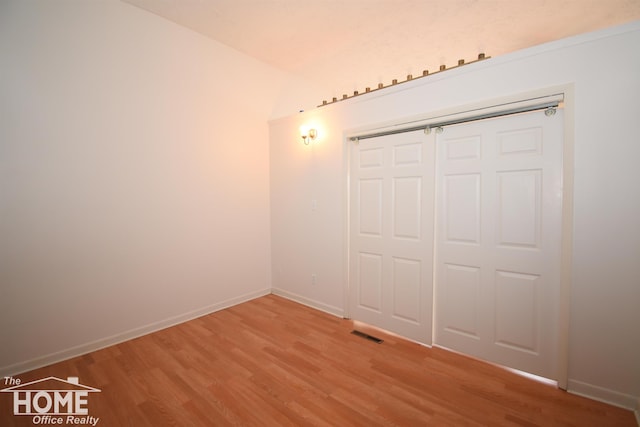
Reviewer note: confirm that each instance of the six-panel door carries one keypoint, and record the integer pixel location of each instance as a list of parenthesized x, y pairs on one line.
[(498, 235), (391, 233)]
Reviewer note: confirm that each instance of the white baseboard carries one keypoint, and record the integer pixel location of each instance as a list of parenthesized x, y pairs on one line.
[(637, 412), (605, 395), (39, 362), (309, 302)]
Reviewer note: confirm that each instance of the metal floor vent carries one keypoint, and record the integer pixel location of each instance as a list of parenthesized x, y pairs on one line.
[(367, 336)]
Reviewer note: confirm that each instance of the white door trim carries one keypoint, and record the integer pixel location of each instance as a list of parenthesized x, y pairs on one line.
[(567, 91)]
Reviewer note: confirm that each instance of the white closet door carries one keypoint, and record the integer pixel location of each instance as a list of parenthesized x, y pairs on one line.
[(498, 235), (391, 233)]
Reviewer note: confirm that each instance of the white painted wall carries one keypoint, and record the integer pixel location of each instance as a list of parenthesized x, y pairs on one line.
[(134, 183), (604, 69)]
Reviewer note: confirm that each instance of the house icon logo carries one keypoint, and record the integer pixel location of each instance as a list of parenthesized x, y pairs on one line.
[(52, 400)]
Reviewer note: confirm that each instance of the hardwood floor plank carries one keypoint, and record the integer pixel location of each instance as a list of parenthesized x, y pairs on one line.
[(273, 362)]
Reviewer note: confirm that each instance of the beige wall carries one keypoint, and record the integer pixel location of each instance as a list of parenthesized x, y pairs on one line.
[(134, 187)]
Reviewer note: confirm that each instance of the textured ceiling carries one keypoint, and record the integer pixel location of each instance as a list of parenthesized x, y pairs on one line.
[(345, 45)]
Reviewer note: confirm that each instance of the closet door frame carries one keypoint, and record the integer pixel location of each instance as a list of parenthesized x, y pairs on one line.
[(493, 105)]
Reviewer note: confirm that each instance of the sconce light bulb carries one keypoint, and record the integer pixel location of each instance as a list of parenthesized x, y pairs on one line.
[(307, 134)]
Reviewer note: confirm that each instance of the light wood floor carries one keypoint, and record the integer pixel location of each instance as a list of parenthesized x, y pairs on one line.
[(272, 362)]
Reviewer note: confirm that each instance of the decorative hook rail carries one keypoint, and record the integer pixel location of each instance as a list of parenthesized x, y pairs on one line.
[(425, 73)]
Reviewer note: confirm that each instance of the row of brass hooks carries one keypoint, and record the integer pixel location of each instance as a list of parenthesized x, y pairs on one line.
[(410, 77)]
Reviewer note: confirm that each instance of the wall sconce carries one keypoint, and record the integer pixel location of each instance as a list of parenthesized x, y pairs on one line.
[(308, 134)]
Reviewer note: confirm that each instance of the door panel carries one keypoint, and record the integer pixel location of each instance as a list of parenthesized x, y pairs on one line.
[(461, 292), (370, 202), (461, 199), (519, 208), (407, 204), (370, 281), (407, 274), (391, 237), (498, 240), (516, 310)]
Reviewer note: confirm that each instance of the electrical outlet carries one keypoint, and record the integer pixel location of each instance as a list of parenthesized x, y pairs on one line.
[(314, 278)]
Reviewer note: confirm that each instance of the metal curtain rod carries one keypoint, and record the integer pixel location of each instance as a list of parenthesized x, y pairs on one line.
[(458, 121)]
